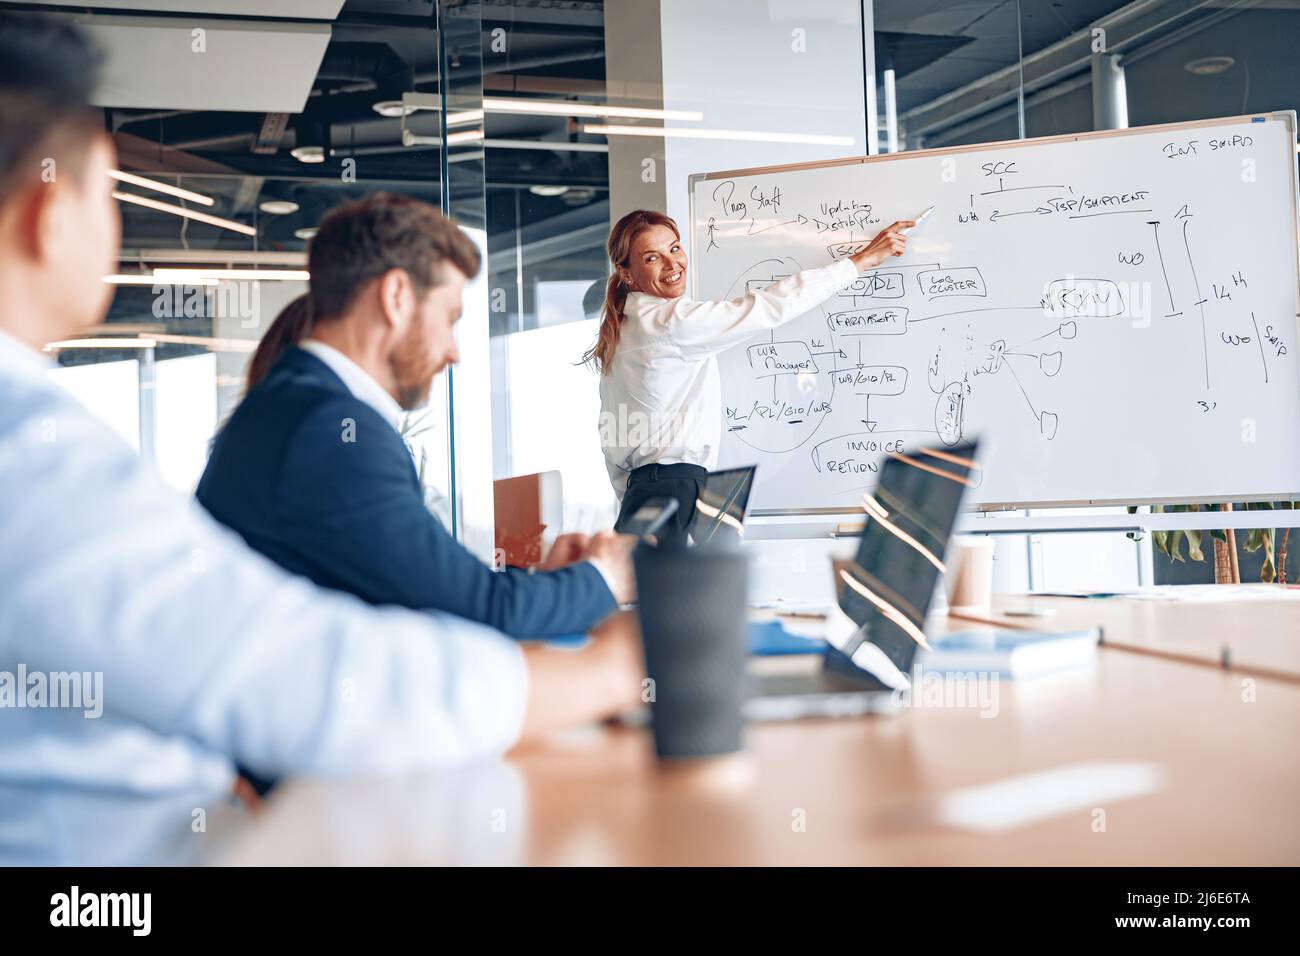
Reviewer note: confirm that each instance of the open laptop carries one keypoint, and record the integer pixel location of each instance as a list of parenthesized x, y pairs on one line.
[(885, 590), (720, 507)]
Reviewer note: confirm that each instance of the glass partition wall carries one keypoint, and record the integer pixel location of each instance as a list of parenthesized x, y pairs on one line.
[(232, 144)]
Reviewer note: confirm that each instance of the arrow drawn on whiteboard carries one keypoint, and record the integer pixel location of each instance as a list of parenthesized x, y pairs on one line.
[(1015, 189), (871, 426), (800, 219), (1113, 212), (1047, 421), (1006, 308), (1066, 330), (1049, 363), (1041, 211), (1261, 346), (1200, 301), (1173, 309)]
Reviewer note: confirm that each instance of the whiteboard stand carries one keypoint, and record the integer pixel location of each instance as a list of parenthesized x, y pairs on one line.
[(849, 525)]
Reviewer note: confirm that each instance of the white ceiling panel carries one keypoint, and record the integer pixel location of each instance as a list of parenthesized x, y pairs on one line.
[(287, 9), (156, 63)]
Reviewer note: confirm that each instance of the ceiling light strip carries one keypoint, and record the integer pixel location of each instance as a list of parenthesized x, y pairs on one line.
[(752, 136), (413, 102), (147, 279), (499, 104), (208, 342), (104, 343), (464, 118), (464, 136), (185, 213), (270, 275), (167, 188)]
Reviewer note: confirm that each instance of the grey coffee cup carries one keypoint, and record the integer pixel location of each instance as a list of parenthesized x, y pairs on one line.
[(692, 608)]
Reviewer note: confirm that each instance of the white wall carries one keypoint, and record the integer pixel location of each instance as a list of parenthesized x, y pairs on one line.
[(185, 393), (554, 416), (785, 66), (634, 77), (781, 66), (110, 391)]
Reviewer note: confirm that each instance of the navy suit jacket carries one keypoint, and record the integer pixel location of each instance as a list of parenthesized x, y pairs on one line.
[(350, 514)]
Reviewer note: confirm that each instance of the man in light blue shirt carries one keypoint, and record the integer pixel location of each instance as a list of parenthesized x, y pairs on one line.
[(144, 650)]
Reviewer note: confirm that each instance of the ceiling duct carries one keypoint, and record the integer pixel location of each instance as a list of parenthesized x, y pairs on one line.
[(352, 62)]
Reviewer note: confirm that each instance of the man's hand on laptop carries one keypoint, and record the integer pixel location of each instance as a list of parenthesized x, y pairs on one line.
[(611, 553)]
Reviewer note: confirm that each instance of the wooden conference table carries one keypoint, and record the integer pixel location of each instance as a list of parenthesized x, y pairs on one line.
[(1159, 755)]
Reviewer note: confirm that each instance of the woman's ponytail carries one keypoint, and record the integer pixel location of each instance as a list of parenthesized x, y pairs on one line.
[(288, 329), (611, 324)]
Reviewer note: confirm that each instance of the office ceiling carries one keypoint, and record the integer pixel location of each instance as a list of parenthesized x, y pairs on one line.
[(988, 35)]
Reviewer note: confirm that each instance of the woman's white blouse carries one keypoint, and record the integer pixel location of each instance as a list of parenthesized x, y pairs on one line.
[(662, 399)]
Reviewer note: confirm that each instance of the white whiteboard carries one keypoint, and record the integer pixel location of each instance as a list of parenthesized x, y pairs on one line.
[(1113, 315)]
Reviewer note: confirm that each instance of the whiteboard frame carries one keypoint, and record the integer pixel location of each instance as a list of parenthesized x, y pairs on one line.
[(1286, 117)]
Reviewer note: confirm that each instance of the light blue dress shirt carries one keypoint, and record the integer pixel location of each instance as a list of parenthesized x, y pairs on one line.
[(209, 654)]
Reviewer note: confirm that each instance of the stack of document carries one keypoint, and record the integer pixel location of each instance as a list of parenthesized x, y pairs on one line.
[(1013, 654)]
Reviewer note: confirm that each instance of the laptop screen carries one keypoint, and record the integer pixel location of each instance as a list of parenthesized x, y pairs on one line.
[(888, 586), (720, 507)]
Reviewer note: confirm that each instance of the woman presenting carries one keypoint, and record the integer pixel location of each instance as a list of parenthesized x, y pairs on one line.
[(660, 392)]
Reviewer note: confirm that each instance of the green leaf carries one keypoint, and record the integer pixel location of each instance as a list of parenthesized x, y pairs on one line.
[(1268, 570), (1194, 546), (1161, 539)]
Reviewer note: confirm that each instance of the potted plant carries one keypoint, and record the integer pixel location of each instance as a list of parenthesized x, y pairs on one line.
[(1274, 545)]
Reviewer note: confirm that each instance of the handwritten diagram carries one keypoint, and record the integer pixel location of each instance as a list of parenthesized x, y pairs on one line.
[(1036, 296), (811, 377)]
